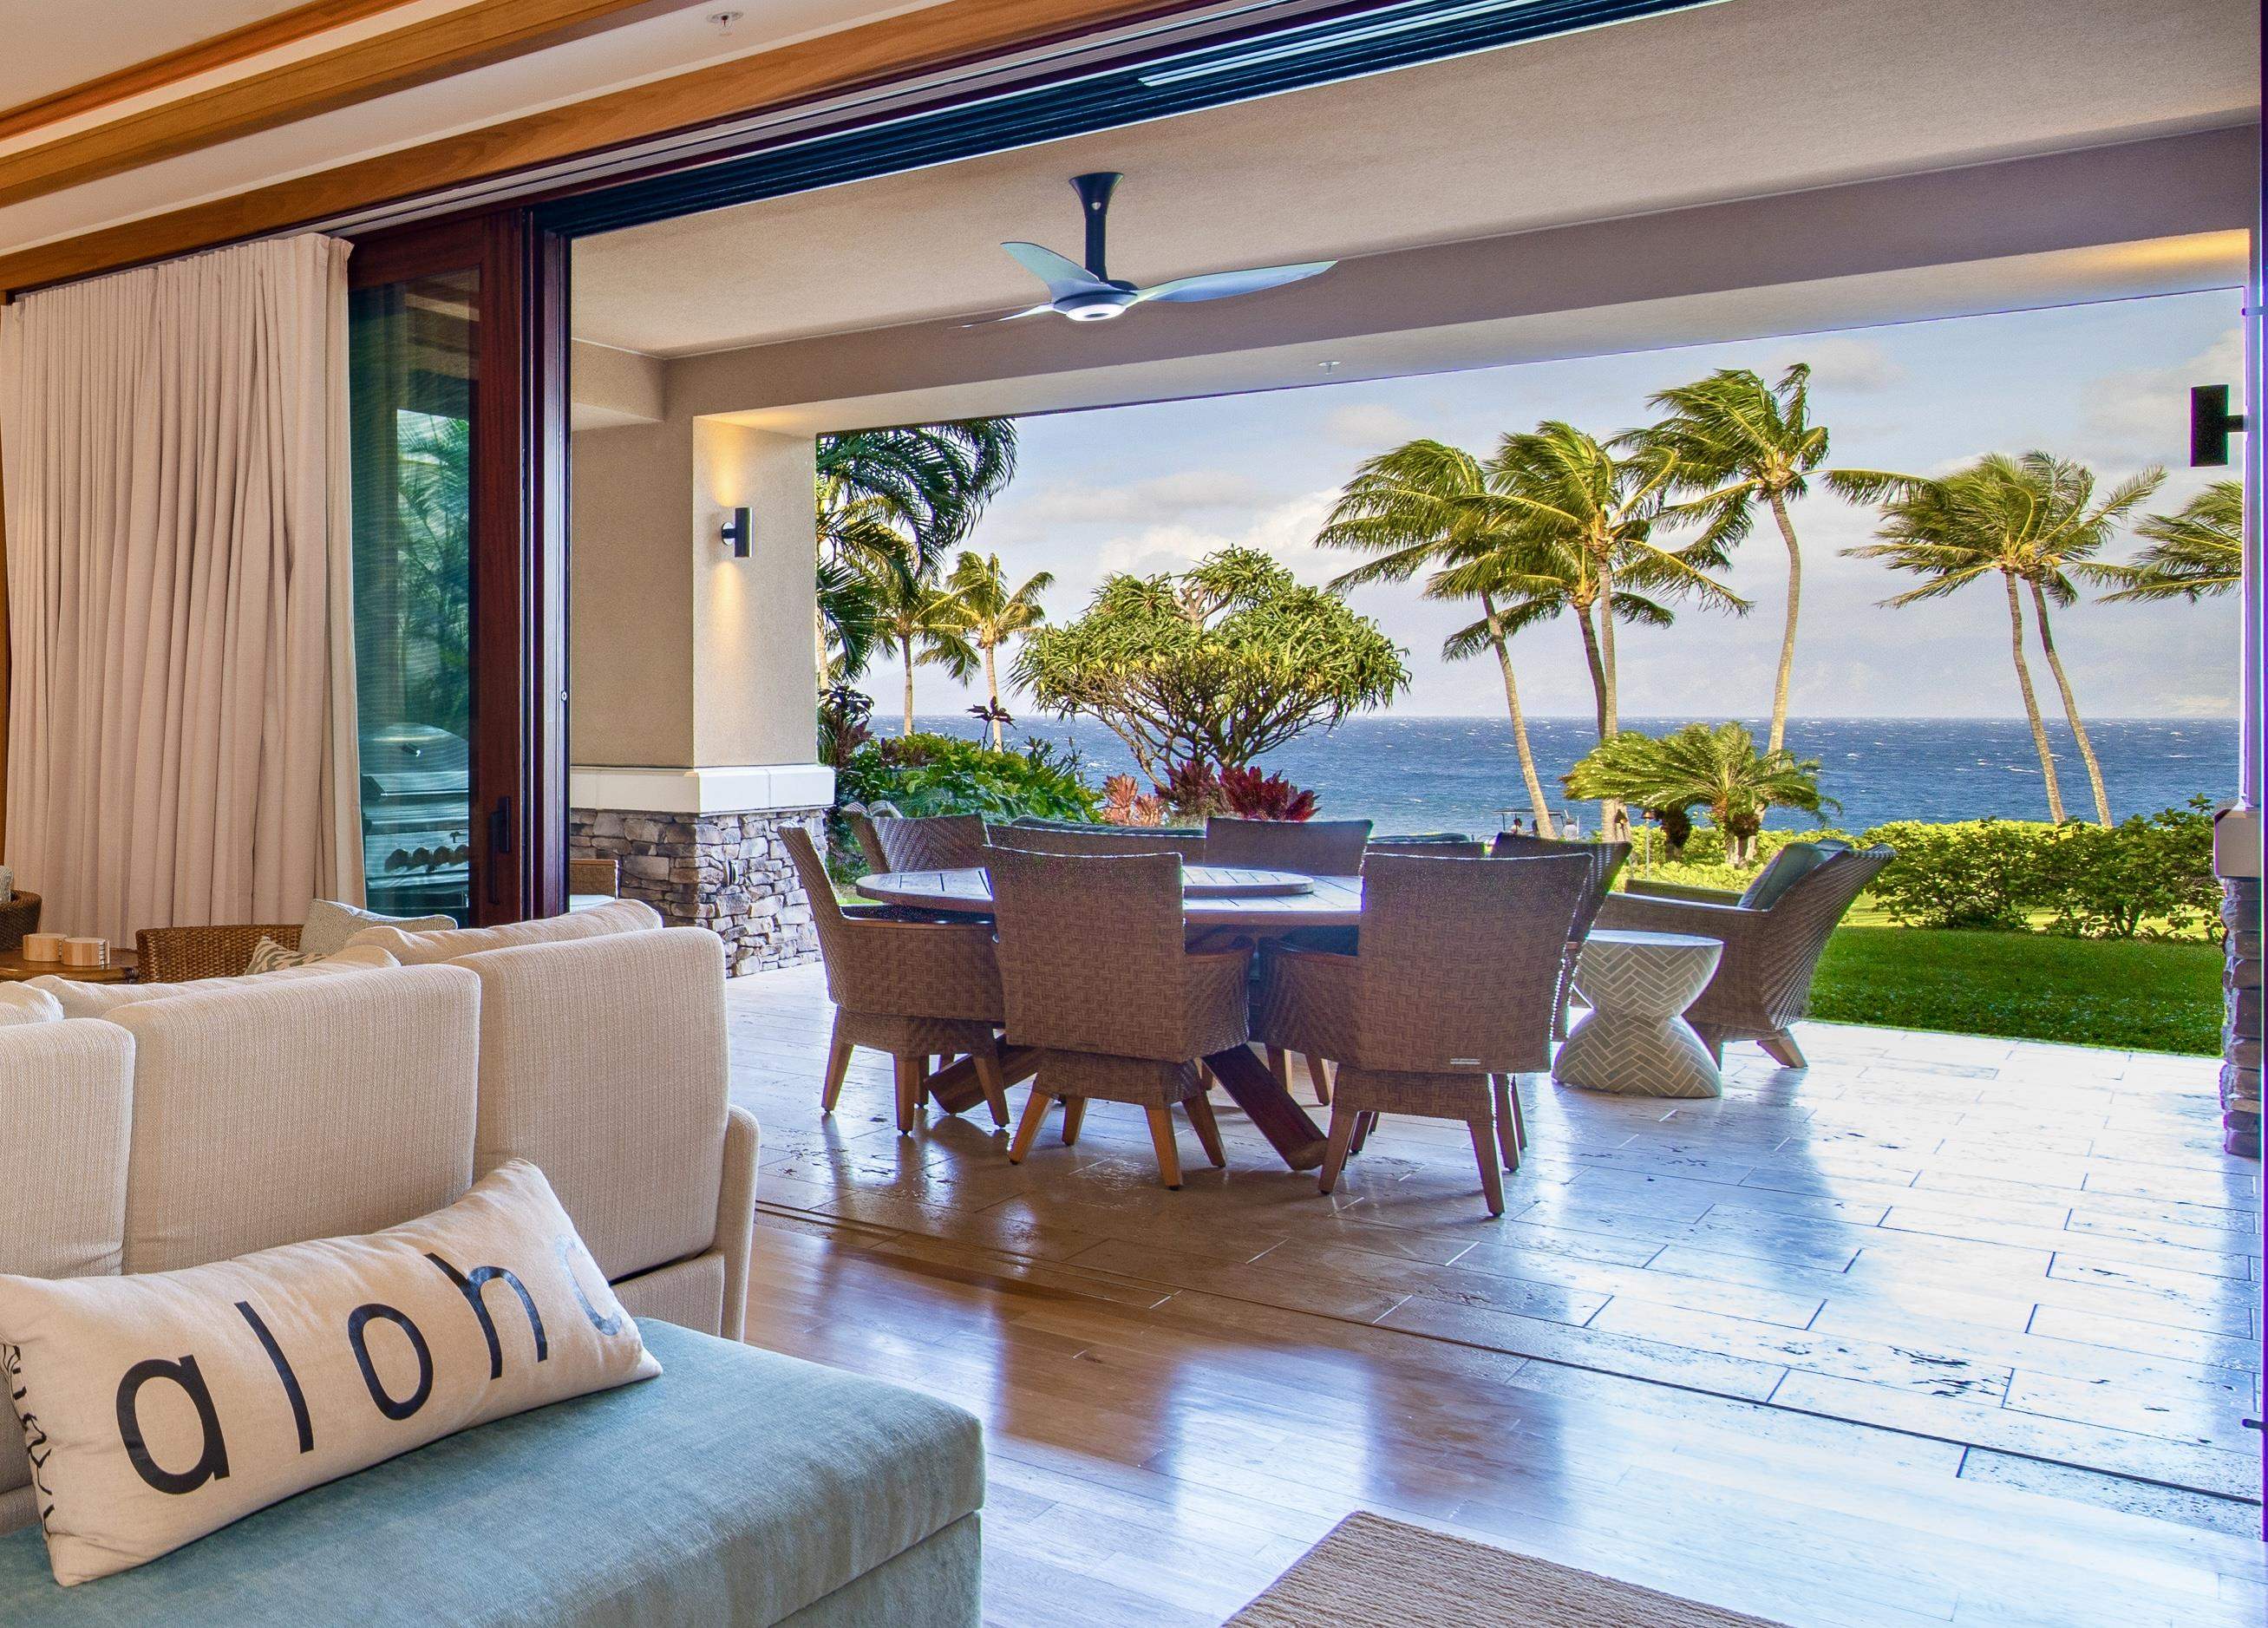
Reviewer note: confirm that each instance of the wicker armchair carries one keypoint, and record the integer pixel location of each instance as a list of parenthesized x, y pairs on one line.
[(1763, 984), (180, 954), (1447, 845), (917, 990), (1096, 975), (1448, 998), (595, 878), (1311, 847), (1096, 840), (18, 915), (941, 842), (1606, 859)]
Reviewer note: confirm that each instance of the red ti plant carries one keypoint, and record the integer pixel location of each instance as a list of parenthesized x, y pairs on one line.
[(1251, 795), (1192, 791), (1125, 803)]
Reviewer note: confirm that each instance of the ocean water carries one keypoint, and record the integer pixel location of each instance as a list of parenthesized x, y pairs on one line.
[(1430, 774)]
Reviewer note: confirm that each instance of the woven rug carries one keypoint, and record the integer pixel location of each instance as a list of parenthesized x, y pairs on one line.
[(1370, 1571)]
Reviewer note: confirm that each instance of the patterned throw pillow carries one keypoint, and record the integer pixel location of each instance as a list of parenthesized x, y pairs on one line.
[(330, 925), (269, 956), (157, 1408)]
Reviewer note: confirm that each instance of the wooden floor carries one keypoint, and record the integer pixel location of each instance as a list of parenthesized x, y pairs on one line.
[(1944, 1329)]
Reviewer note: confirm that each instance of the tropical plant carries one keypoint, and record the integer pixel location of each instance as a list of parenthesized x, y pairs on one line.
[(842, 715), (1217, 665), (1714, 768), (1252, 795), (422, 619), (2033, 520), (990, 615), (1423, 506), (1191, 792), (924, 624), (1125, 802), (923, 774), (2194, 553)]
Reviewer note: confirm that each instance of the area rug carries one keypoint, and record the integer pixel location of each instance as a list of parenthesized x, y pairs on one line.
[(1370, 1571)]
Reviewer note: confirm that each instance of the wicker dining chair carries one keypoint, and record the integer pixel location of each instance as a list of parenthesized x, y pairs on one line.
[(19, 914), (914, 989), (1310, 847), (1097, 976), (1606, 860), (1097, 841), (1448, 845), (1448, 998), (1762, 982), (180, 955), (935, 843)]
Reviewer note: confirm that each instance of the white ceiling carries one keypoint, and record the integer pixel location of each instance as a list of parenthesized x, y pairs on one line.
[(56, 44), (1745, 99)]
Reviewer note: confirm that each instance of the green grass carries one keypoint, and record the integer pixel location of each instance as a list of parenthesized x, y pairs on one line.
[(2131, 993)]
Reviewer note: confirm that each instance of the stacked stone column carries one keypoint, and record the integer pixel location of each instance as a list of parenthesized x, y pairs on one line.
[(729, 872)]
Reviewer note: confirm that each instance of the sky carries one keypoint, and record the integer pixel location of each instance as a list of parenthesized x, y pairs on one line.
[(1154, 488)]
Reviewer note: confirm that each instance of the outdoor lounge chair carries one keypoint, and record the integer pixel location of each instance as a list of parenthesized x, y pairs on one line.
[(917, 990), (1098, 979), (1606, 860), (1763, 984), (1448, 998)]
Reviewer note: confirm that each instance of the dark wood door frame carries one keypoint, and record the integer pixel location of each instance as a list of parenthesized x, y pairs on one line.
[(517, 615)]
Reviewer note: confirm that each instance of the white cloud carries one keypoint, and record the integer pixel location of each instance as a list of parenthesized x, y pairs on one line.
[(1370, 426), (1285, 530), (2142, 416), (1840, 363), (1188, 491)]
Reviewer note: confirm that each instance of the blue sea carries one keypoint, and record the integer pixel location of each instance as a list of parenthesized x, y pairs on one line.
[(1462, 774)]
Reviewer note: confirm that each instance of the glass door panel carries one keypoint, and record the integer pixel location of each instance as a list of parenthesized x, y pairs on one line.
[(415, 350)]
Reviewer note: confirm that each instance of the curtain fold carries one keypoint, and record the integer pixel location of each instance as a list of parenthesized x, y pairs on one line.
[(173, 460)]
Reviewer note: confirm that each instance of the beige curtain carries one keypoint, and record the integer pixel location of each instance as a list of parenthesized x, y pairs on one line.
[(173, 460)]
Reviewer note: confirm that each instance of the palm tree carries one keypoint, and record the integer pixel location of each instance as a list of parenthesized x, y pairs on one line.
[(1428, 504), (1738, 441), (2196, 552), (1583, 518), (991, 615), (924, 623), (1714, 768), (2033, 520)]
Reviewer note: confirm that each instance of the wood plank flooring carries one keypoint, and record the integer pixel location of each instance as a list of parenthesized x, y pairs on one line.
[(1946, 1328)]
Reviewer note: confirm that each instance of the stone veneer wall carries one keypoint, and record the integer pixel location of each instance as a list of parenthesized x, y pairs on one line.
[(2240, 1067), (728, 872)]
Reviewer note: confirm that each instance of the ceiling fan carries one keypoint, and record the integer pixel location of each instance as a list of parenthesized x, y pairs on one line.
[(1089, 293)]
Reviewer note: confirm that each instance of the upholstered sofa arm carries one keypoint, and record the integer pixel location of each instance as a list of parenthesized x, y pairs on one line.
[(736, 1212), (1682, 890)]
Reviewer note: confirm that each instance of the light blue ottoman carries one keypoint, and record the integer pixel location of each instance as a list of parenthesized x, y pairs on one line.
[(739, 1487)]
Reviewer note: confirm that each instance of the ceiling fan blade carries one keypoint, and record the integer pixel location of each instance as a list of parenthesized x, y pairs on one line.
[(1063, 276), (1013, 316), (1226, 284)]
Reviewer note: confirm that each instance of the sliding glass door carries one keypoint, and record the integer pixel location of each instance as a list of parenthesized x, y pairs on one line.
[(455, 646)]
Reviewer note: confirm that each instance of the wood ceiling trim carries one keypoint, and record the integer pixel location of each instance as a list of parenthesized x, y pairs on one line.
[(937, 36), (457, 41), (268, 34)]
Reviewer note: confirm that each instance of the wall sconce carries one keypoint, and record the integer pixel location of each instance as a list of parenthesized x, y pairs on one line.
[(739, 533), (2211, 424)]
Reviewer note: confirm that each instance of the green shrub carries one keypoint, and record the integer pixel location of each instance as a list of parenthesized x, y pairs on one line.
[(1704, 865), (1968, 873), (922, 775), (2150, 877)]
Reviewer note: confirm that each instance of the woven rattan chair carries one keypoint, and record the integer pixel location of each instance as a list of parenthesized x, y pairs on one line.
[(914, 989), (180, 954), (1449, 996), (18, 915), (1098, 841), (1606, 859), (1310, 847), (1096, 974), (1448, 845), (597, 879), (940, 842), (1763, 984)]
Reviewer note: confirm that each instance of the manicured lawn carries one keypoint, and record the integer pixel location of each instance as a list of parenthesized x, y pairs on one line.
[(2149, 997)]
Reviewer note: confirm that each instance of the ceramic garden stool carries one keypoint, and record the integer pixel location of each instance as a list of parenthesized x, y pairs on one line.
[(1636, 1041)]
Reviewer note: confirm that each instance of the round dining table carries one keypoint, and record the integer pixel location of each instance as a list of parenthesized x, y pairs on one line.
[(1219, 904)]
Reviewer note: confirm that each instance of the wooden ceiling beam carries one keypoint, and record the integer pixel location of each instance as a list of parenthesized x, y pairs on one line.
[(457, 41), (937, 36)]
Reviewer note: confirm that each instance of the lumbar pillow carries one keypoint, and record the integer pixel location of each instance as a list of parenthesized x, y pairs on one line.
[(160, 1407), (20, 1003), (331, 923), (269, 956), (93, 1000)]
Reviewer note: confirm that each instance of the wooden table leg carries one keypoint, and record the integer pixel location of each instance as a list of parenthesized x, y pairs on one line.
[(956, 1089), (1255, 1089)]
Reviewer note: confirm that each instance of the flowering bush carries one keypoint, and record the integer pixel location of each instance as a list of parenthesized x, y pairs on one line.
[(1251, 795)]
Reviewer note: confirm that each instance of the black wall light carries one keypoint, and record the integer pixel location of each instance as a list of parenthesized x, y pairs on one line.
[(739, 533), (2211, 424)]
